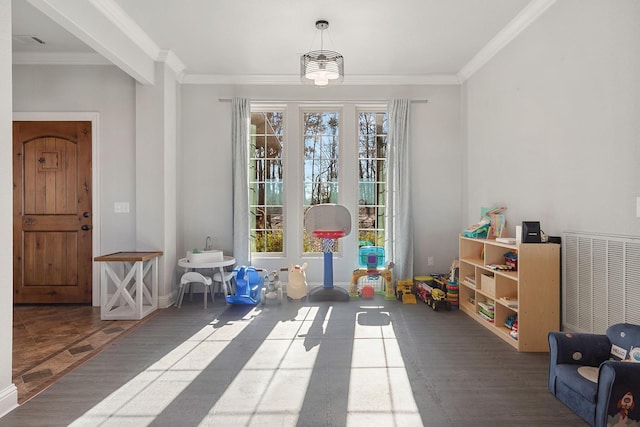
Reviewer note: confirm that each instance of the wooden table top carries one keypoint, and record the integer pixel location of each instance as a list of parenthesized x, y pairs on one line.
[(129, 256)]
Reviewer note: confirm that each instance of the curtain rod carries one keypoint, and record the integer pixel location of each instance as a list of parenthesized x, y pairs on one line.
[(357, 101)]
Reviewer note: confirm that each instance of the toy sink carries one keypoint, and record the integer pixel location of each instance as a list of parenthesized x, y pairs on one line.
[(205, 256)]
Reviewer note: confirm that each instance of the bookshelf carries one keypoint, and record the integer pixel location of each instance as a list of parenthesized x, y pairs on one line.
[(532, 292)]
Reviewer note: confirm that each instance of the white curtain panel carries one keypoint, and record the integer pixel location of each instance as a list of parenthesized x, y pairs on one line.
[(240, 119), (399, 225)]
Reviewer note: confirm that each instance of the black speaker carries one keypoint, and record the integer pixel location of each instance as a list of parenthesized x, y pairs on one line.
[(531, 232)]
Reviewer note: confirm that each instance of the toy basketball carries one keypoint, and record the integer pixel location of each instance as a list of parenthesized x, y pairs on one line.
[(367, 292)]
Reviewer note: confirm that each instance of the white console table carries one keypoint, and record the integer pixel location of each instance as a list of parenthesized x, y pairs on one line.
[(125, 295)]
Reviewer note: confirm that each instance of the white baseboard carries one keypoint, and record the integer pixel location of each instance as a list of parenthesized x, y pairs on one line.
[(8, 399), (165, 301)]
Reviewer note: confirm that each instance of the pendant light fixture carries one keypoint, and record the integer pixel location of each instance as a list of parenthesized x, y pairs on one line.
[(322, 67)]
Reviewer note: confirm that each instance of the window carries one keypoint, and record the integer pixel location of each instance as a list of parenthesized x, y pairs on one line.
[(321, 133), (297, 159), (266, 174), (372, 167)]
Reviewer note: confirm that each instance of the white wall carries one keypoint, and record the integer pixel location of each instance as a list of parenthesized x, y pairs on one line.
[(436, 150), (111, 93), (552, 123), (8, 391), (204, 177), (156, 164)]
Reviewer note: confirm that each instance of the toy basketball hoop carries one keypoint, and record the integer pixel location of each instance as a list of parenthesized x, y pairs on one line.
[(328, 222), (328, 234)]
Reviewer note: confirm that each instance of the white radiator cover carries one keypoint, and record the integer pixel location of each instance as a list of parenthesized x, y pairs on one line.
[(600, 281)]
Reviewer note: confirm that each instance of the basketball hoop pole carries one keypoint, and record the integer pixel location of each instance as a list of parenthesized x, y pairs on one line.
[(327, 248), (328, 222)]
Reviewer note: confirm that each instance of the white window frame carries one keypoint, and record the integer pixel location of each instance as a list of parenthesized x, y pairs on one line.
[(346, 259), (370, 109), (266, 108), (341, 183)]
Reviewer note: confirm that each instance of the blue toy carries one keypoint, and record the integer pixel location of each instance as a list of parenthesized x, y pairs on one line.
[(249, 285), (371, 257)]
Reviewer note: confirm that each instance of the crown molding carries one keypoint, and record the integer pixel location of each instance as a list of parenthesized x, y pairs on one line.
[(87, 21), (173, 62), (526, 17), (118, 17), (110, 10), (59, 58), (88, 58), (128, 26), (211, 79)]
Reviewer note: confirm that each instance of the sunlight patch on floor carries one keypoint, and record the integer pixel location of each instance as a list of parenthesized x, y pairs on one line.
[(271, 387), (144, 397), (379, 389)]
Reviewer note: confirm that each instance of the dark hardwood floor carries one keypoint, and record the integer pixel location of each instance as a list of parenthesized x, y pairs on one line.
[(357, 363)]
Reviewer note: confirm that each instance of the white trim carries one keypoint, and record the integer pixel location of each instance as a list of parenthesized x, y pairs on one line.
[(8, 399), (440, 79), (89, 58), (94, 118), (93, 23), (173, 62), (59, 58), (128, 26), (526, 17), (116, 15)]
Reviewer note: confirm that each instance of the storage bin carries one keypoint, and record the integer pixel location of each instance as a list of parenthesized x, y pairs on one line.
[(488, 284)]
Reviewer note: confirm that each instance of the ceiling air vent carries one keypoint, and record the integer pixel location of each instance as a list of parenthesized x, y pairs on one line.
[(32, 40)]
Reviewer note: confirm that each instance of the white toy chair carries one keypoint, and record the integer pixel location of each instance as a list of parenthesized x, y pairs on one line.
[(222, 284), (193, 277)]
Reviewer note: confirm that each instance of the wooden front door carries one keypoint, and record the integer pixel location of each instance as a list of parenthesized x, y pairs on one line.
[(52, 218)]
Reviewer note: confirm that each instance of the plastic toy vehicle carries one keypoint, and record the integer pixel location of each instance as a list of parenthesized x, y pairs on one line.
[(248, 286), (438, 300), (404, 293)]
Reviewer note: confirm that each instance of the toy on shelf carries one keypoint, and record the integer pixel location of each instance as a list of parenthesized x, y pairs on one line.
[(297, 285), (371, 260), (404, 291), (248, 286), (272, 287), (511, 320), (328, 222), (514, 331)]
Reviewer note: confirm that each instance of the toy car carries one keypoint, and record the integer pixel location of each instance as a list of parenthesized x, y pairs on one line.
[(403, 291), (438, 300)]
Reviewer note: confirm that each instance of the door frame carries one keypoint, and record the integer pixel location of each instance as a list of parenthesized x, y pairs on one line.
[(94, 118)]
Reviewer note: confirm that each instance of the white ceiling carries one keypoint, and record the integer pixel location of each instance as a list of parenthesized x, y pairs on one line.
[(404, 40)]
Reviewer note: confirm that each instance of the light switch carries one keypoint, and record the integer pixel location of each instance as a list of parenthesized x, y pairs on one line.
[(121, 207)]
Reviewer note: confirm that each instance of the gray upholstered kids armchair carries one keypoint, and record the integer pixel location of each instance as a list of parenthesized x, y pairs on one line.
[(595, 376)]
